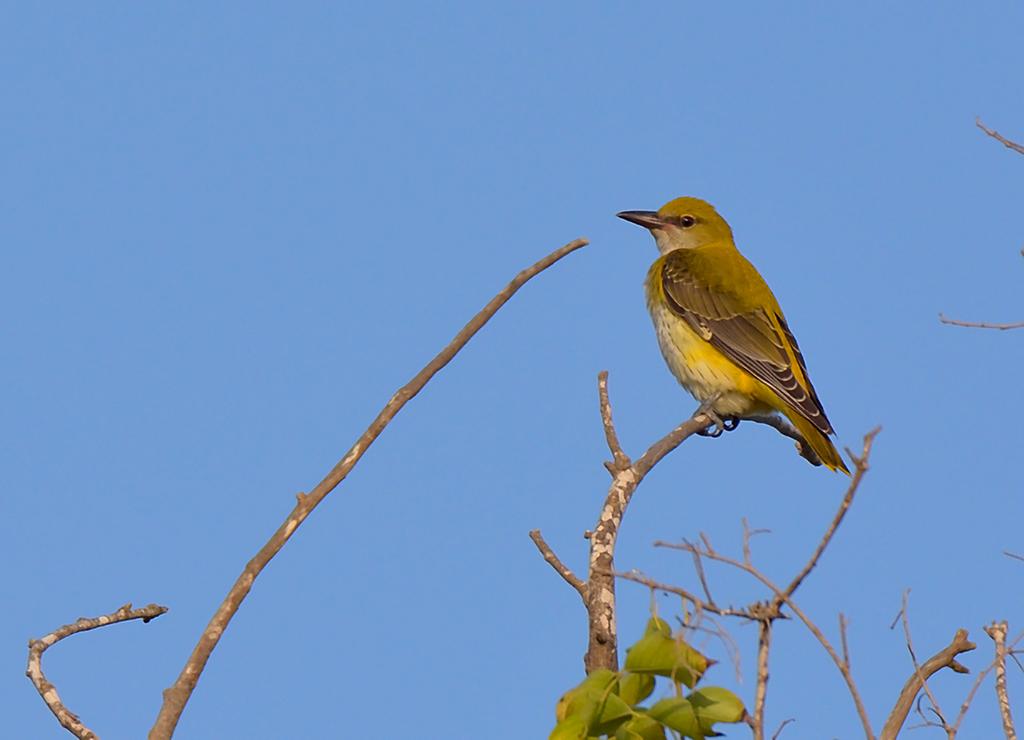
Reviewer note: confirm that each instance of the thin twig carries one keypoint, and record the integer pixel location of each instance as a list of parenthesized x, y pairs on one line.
[(782, 597), (997, 631), (698, 565), (905, 619), (766, 613), (969, 699), (561, 568), (999, 137), (620, 460), (844, 643), (860, 468), (751, 613), (810, 625), (177, 695), (980, 324), (775, 735), (47, 690), (945, 658)]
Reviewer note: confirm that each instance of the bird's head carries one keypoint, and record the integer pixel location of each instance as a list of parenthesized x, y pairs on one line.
[(683, 223)]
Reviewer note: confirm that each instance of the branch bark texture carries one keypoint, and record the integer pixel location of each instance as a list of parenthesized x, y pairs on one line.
[(602, 649), (68, 719), (598, 591), (997, 631)]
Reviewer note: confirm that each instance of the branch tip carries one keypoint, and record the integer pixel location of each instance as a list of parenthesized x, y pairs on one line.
[(176, 697), (47, 691)]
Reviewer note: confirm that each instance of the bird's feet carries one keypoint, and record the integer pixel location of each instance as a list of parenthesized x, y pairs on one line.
[(718, 423)]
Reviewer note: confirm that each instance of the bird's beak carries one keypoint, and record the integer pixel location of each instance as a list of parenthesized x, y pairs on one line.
[(647, 219)]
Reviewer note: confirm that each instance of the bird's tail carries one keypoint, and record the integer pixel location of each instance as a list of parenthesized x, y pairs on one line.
[(820, 443)]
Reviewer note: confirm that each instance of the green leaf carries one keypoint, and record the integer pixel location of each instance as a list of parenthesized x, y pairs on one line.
[(659, 626), (571, 728), (599, 679), (641, 727), (663, 655), (585, 699), (613, 714), (715, 704), (677, 714), (635, 687), (589, 706)]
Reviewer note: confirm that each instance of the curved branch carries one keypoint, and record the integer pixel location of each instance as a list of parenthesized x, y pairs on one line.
[(177, 695), (945, 658), (980, 324), (47, 690), (860, 468), (1013, 145)]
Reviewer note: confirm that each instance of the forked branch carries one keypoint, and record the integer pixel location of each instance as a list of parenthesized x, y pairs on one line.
[(598, 591), (767, 613)]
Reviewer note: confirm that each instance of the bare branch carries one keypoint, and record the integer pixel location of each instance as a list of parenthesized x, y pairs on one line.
[(657, 451), (843, 624), (561, 568), (969, 699), (786, 429), (980, 324), (905, 619), (764, 639), (945, 658), (997, 631), (620, 460), (860, 468), (751, 613), (177, 695), (47, 690), (766, 613), (698, 565), (602, 651), (786, 599), (999, 137), (778, 732), (598, 591)]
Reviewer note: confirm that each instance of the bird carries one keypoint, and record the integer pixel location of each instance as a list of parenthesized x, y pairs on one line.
[(721, 329)]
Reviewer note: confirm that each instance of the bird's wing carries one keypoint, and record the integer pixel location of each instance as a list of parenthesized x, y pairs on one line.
[(756, 338)]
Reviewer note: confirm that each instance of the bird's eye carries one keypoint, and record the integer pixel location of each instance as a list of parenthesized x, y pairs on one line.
[(687, 221)]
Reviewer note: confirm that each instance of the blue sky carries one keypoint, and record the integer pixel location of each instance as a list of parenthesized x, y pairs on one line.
[(231, 232)]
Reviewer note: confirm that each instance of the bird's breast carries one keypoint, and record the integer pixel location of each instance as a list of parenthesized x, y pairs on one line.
[(698, 366)]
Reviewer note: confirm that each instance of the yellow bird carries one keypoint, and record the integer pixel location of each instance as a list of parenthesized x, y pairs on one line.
[(722, 331)]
